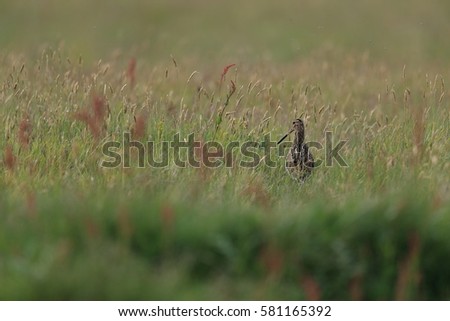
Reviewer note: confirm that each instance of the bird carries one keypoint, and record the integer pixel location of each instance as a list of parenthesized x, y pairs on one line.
[(299, 161)]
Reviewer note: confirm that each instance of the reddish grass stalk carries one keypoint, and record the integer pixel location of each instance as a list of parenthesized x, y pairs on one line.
[(92, 229), (31, 204), (273, 260), (311, 288), (140, 126), (90, 122), (355, 288), (167, 217), (99, 108), (131, 72), (418, 135), (200, 156), (258, 194), (225, 71), (95, 118), (24, 131), (407, 274), (8, 158)]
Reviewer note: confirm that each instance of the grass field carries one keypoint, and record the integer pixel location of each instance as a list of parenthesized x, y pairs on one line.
[(74, 75)]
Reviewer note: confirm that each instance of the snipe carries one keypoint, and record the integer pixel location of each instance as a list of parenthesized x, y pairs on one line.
[(299, 161)]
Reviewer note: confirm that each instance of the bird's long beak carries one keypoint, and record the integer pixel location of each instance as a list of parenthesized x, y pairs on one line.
[(284, 137)]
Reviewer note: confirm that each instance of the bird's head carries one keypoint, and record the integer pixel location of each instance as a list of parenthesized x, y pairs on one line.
[(298, 126)]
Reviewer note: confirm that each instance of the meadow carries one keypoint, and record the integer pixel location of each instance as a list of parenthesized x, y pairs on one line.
[(77, 74)]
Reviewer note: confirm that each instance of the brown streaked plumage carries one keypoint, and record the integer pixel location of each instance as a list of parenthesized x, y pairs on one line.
[(299, 161)]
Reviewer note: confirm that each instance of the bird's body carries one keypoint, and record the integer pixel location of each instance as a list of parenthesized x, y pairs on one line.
[(299, 161)]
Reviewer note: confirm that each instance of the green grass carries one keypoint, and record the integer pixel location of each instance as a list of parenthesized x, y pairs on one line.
[(372, 74)]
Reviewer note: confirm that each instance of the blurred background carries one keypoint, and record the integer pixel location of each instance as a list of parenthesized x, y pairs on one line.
[(404, 32), (76, 73)]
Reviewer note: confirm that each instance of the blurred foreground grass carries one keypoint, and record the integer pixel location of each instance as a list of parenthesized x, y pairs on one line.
[(107, 249), (372, 74)]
